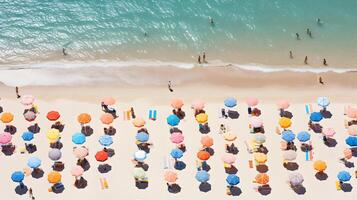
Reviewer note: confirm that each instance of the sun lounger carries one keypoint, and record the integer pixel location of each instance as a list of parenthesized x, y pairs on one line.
[(338, 185), (152, 114), (127, 115)]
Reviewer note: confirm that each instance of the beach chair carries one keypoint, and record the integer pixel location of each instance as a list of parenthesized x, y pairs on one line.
[(338, 185)]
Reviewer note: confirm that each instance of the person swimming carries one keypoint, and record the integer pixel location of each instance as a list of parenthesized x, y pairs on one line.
[(318, 21), (308, 32), (211, 21), (297, 36)]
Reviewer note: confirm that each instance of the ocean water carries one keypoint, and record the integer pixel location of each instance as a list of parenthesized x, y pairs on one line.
[(33, 32)]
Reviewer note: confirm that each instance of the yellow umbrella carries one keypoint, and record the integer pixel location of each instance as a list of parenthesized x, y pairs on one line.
[(7, 117), (261, 158), (284, 122), (202, 118), (53, 135)]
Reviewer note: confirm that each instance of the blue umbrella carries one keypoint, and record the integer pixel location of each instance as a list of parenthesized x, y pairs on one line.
[(316, 116), (288, 136), (230, 102), (106, 140), (344, 176), (33, 162), (142, 137), (202, 176), (303, 136), (173, 120), (78, 138), (232, 179), (323, 101), (176, 153), (17, 176), (351, 141), (27, 136)]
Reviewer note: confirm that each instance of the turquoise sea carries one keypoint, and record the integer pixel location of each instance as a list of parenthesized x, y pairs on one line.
[(248, 31)]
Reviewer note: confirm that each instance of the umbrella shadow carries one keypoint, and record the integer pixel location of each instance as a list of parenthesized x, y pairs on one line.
[(142, 185), (346, 187), (286, 114), (262, 149), (305, 147), (354, 151), (175, 129), (58, 166), (291, 166), (317, 128), (206, 167), (110, 131), (179, 165), (34, 128), (321, 176), (330, 142), (264, 190), (8, 150), (143, 147), (87, 131), (56, 145), (349, 164), (59, 127), (231, 170), (84, 164), (31, 148), (233, 114), (81, 183), (174, 188), (204, 129), (37, 173), (205, 187), (262, 168), (104, 168), (299, 189), (21, 189), (210, 150), (58, 188), (326, 114), (110, 152), (235, 191), (10, 129)]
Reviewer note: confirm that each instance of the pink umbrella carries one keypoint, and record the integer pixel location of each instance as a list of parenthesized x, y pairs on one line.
[(77, 171), (176, 137), (80, 152), (177, 103), (283, 104), (228, 158), (252, 101), (27, 100), (108, 101), (5, 138), (352, 130), (197, 104), (30, 116), (328, 132), (352, 112), (256, 122), (347, 153)]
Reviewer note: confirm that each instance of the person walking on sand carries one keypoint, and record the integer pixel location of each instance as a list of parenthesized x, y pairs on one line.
[(297, 36), (169, 86), (199, 59), (305, 61), (321, 81), (291, 55), (325, 62), (17, 92), (31, 194)]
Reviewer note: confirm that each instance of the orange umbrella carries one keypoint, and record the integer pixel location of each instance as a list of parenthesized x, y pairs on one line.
[(320, 165), (262, 178), (108, 101), (54, 177), (348, 153), (177, 103), (139, 122), (84, 118), (53, 115), (170, 176), (207, 141), (7, 117), (107, 118), (203, 155)]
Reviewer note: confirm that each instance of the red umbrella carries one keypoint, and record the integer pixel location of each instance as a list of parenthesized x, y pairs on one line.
[(101, 156), (53, 115)]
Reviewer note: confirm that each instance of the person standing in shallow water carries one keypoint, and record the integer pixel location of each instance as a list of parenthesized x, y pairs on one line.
[(64, 52), (325, 62), (204, 57), (297, 36), (305, 61), (17, 92), (291, 55), (308, 32), (199, 59)]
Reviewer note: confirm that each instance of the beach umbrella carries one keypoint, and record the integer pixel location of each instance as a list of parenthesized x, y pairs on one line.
[(202, 176), (256, 122), (252, 101), (351, 141), (176, 153), (323, 102), (53, 115), (77, 171), (283, 104), (289, 155), (139, 173), (288, 136), (230, 102), (84, 118), (320, 165), (170, 176), (259, 138), (34, 162), (30, 116), (142, 137), (262, 178), (228, 158), (106, 140), (54, 177), (27, 136), (347, 153), (17, 176), (344, 176), (53, 135), (173, 120), (203, 155), (229, 136), (232, 179), (206, 141), (140, 155), (261, 158), (106, 118), (7, 117), (303, 136), (139, 122), (296, 179), (109, 101), (352, 112), (177, 103), (198, 104), (27, 100), (328, 132), (55, 154), (80, 152), (352, 130), (176, 137), (101, 156), (284, 122), (5, 138), (78, 138), (316, 117), (202, 118)]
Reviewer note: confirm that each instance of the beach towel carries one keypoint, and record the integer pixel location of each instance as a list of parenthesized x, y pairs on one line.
[(127, 115), (152, 114), (307, 109)]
